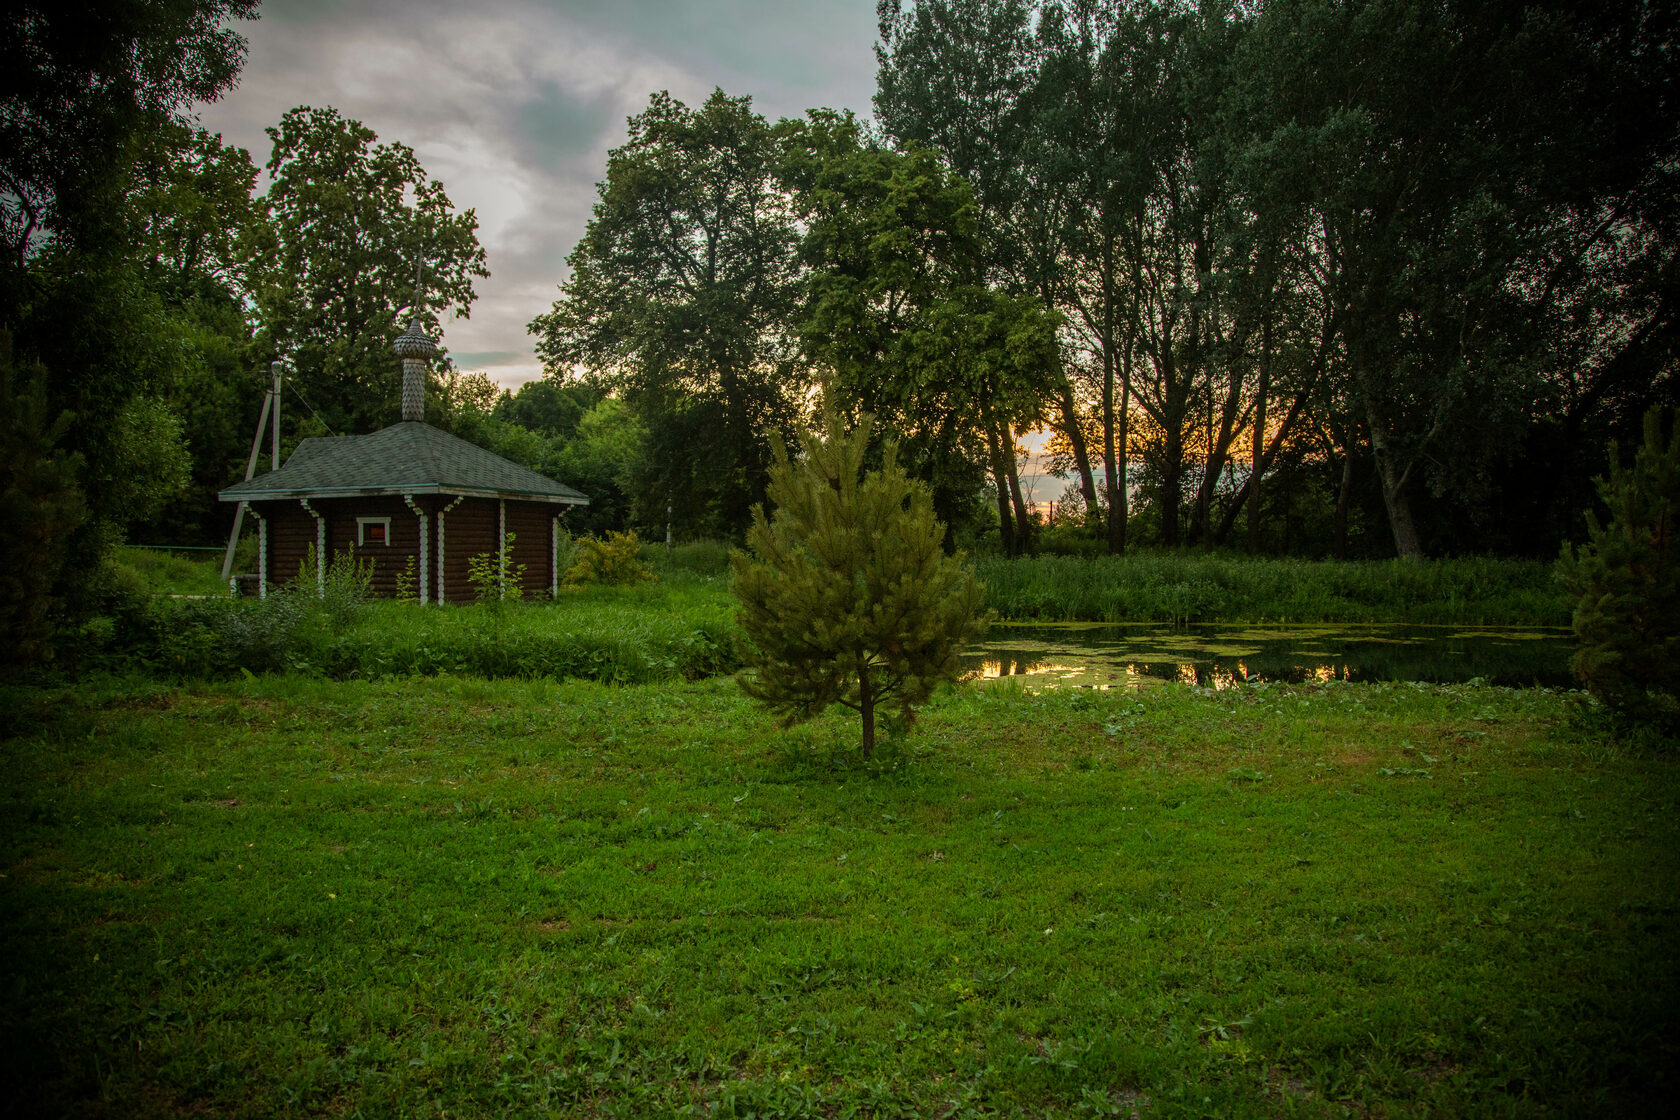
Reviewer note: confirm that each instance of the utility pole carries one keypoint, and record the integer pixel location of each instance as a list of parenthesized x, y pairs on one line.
[(277, 371), (271, 403)]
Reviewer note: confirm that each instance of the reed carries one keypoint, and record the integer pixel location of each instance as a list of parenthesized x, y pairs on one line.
[(1176, 588)]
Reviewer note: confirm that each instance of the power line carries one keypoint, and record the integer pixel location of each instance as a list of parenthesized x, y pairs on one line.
[(299, 395)]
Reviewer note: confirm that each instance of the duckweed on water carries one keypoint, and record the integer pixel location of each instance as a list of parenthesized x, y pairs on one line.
[(1104, 657)]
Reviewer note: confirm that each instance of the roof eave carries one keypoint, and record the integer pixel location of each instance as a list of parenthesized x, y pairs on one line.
[(396, 492)]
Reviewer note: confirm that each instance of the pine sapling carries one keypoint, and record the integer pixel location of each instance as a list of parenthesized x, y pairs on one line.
[(847, 596), (1626, 579)]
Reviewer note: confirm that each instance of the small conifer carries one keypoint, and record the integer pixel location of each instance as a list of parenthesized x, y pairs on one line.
[(1626, 578), (847, 596)]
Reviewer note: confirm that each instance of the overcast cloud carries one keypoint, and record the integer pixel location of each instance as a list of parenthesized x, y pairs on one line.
[(513, 105)]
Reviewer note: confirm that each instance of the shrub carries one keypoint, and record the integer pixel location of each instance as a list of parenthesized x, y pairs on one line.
[(342, 592), (408, 583), (606, 634), (219, 637), (41, 505), (612, 561), (1626, 579), (494, 575)]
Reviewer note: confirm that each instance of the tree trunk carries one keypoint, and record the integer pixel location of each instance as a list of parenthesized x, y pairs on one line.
[(1119, 499), (1171, 485), (1006, 524), (1023, 520), (1076, 438), (1344, 493), (1257, 464), (1393, 480), (1246, 494), (1199, 527), (1111, 476), (866, 708), (1116, 533)]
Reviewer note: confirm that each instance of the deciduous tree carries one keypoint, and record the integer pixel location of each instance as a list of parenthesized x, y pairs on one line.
[(681, 296), (349, 222)]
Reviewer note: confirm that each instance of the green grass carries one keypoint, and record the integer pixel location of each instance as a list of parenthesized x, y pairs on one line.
[(1179, 587), (158, 571), (676, 628), (681, 626), (289, 896)]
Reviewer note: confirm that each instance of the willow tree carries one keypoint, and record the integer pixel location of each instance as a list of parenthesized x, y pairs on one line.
[(847, 596)]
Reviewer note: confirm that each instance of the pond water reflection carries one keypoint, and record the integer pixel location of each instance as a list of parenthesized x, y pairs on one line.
[(1080, 655)]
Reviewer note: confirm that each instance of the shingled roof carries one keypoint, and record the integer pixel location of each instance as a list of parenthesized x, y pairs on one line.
[(406, 458)]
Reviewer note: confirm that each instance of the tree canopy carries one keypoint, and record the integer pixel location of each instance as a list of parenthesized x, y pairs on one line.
[(680, 296), (351, 225)]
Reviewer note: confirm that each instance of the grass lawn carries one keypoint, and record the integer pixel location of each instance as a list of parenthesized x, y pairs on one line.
[(457, 897)]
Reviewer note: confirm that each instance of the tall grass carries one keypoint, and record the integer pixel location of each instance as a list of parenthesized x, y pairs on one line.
[(700, 559), (657, 632), (682, 625), (159, 571), (1178, 587)]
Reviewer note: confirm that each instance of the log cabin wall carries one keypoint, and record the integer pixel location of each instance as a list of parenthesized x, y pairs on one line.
[(532, 524), (290, 533), (388, 559), (470, 529)]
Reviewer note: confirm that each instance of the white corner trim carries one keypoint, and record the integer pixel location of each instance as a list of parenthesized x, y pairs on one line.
[(320, 548), (440, 516), (262, 553), (421, 515)]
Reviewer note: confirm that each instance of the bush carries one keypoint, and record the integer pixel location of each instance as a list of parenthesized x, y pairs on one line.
[(495, 577), (41, 505), (618, 635), (612, 561), (195, 638), (1626, 580), (343, 590)]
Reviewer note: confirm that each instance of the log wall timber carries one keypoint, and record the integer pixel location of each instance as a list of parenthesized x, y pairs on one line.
[(290, 533), (389, 559), (471, 529), (532, 543)]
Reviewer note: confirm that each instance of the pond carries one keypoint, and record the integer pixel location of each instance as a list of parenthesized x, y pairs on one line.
[(1084, 655)]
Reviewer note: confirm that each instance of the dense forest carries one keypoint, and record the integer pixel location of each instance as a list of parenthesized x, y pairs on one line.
[(1327, 278)]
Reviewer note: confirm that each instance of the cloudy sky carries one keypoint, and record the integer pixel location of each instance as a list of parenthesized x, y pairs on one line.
[(513, 105)]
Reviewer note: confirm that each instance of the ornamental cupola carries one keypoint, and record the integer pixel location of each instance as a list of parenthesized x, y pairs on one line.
[(415, 350)]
